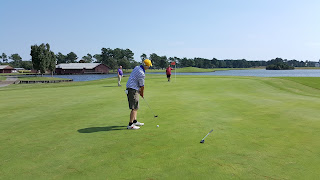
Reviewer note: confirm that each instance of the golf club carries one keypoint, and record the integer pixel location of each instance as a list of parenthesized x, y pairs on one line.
[(150, 107), (202, 141)]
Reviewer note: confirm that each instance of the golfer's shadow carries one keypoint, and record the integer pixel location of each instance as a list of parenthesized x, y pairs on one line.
[(98, 129)]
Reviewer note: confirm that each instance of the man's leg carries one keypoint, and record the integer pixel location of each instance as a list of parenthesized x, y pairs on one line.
[(119, 80), (133, 99), (133, 115), (133, 118)]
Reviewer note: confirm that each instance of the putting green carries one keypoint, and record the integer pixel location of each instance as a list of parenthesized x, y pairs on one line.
[(263, 128)]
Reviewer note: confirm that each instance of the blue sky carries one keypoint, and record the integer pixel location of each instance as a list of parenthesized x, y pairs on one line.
[(224, 29)]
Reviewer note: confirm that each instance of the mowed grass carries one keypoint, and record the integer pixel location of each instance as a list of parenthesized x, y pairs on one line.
[(2, 78), (263, 128)]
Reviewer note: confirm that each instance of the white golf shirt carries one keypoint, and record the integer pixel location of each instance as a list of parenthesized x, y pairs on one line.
[(136, 79)]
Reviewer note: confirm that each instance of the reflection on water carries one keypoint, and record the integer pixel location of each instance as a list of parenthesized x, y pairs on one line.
[(253, 72)]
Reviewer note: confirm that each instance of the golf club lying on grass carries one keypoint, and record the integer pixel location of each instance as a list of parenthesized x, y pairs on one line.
[(202, 141), (150, 107)]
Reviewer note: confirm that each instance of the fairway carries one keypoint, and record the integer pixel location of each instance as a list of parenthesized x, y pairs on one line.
[(263, 128)]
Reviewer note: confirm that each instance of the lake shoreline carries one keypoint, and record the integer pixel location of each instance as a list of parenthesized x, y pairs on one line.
[(243, 72)]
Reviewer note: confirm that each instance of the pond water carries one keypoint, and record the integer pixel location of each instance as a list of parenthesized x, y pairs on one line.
[(250, 72), (259, 73), (84, 77)]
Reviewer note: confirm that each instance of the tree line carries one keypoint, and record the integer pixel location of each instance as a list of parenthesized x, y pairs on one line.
[(279, 64), (44, 59)]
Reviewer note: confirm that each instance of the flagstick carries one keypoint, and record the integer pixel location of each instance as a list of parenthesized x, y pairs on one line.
[(175, 72)]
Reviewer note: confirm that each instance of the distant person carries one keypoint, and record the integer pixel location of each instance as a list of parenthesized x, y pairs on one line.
[(168, 72), (120, 74), (135, 86)]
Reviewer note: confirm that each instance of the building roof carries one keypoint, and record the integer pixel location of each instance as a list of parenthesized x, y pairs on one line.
[(78, 65), (6, 67)]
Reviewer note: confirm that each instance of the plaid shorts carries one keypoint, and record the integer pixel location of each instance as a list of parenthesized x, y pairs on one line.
[(133, 98)]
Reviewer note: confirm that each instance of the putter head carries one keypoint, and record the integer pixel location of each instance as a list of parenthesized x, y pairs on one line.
[(202, 141)]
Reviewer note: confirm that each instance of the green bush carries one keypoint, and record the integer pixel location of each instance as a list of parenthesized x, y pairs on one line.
[(24, 71), (279, 66)]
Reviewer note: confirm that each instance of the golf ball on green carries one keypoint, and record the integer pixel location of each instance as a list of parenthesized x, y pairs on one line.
[(157, 125)]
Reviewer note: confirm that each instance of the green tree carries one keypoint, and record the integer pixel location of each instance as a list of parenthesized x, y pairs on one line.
[(120, 54), (143, 57), (125, 63), (155, 60), (61, 58), (199, 62), (98, 58), (52, 61), (190, 63), (184, 62), (133, 64), (177, 60), (71, 57), (26, 65), (163, 63), (222, 64), (275, 61), (129, 54), (16, 58), (116, 57), (278, 64), (107, 58), (4, 58), (117, 54), (171, 59), (43, 58), (214, 63), (87, 58)]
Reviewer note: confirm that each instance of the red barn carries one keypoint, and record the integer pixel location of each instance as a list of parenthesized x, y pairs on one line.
[(6, 69), (82, 68)]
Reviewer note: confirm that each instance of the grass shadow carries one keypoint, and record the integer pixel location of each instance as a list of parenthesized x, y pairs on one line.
[(98, 129)]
